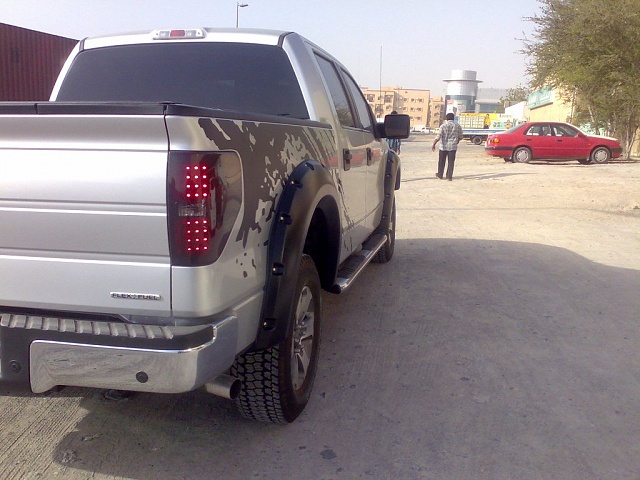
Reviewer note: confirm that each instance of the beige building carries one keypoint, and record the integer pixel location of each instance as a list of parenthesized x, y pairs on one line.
[(436, 112), (635, 148), (415, 103), (409, 101), (382, 102), (547, 105)]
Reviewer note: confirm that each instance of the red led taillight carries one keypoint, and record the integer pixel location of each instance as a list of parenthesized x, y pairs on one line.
[(198, 210), (198, 191)]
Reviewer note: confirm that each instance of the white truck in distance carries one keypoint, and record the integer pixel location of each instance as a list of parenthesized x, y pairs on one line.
[(476, 127), (170, 217)]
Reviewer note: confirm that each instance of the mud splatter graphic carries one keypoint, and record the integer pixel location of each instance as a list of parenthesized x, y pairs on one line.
[(269, 152)]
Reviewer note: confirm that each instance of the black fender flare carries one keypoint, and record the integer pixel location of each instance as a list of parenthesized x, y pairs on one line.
[(310, 186), (394, 165), (391, 183)]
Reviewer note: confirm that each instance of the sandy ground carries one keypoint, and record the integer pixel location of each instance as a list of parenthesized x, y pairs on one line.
[(501, 342)]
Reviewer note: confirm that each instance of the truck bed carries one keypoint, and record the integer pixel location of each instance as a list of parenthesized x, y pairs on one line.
[(83, 206)]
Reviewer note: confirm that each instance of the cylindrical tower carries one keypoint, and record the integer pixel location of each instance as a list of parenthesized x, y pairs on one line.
[(462, 91)]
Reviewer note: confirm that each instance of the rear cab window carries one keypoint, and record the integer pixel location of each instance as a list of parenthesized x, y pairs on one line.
[(231, 76)]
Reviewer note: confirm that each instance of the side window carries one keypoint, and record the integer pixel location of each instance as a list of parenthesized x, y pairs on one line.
[(539, 130), (563, 131), (338, 95), (362, 107)]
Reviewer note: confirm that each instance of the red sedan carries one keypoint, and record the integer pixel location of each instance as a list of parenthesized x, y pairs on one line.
[(551, 141)]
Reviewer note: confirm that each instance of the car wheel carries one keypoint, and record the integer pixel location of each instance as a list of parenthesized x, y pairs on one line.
[(277, 381), (584, 161), (600, 155), (386, 252), (476, 140), (521, 155)]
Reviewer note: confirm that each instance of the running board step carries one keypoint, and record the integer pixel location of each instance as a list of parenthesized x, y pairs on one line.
[(354, 265)]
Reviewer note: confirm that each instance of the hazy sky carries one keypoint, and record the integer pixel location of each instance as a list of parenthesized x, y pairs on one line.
[(421, 40)]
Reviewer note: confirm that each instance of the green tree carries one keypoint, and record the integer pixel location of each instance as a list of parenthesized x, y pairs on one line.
[(517, 94), (590, 50)]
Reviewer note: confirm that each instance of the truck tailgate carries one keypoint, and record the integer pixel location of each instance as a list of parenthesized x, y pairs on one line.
[(83, 223)]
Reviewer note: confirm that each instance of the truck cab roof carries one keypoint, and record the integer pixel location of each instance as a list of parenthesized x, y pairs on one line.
[(241, 35)]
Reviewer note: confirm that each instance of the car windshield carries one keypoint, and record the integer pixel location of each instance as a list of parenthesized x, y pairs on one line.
[(231, 76)]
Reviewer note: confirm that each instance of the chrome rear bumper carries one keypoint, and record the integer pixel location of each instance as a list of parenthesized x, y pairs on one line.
[(44, 353)]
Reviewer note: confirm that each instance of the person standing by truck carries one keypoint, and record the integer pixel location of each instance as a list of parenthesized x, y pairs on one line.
[(394, 143), (450, 135)]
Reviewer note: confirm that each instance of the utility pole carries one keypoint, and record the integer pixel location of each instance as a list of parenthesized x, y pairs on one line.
[(380, 86)]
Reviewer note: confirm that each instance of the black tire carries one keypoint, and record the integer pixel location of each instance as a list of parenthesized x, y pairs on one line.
[(600, 155), (476, 140), (521, 155), (277, 381), (386, 252)]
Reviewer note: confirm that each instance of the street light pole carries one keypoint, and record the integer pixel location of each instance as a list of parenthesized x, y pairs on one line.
[(380, 85), (238, 7)]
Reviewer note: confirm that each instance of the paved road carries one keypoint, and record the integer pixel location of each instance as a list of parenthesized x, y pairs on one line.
[(501, 342)]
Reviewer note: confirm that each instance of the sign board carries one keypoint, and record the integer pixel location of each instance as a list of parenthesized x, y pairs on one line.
[(541, 97), (457, 106)]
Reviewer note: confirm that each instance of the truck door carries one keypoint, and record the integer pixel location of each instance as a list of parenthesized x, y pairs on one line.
[(353, 149), (374, 152)]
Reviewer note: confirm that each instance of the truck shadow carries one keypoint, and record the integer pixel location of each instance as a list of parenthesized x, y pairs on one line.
[(456, 345)]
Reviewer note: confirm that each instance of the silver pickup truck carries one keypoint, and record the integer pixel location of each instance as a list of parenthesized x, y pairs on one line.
[(169, 219)]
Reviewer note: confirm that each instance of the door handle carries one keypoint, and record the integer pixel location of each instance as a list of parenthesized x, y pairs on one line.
[(346, 157), (369, 156)]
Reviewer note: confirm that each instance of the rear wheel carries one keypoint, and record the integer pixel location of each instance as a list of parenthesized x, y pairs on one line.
[(277, 381), (600, 155), (386, 252), (521, 155), (476, 140)]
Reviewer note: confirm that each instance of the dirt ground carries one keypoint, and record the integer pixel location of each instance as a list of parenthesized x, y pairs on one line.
[(501, 342)]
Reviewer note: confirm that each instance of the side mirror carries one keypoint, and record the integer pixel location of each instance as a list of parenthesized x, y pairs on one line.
[(395, 126)]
